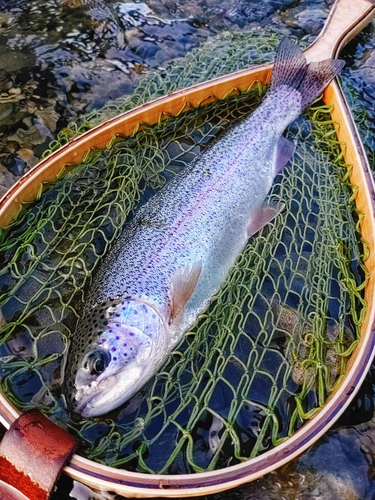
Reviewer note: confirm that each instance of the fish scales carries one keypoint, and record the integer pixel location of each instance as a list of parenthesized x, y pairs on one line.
[(172, 257), (193, 218)]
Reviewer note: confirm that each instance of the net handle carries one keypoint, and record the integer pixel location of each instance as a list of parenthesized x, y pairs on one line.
[(33, 453), (346, 19)]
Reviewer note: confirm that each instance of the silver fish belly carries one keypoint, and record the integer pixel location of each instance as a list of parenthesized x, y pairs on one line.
[(174, 255)]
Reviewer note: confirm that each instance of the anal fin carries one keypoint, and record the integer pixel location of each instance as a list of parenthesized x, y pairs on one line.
[(264, 216), (284, 152), (183, 286)]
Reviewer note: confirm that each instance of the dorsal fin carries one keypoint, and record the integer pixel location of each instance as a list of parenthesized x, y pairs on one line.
[(183, 286)]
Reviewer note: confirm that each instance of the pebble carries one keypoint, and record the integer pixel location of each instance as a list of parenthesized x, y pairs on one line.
[(7, 179)]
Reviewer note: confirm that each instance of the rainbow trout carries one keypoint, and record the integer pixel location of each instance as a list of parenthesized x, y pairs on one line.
[(171, 259)]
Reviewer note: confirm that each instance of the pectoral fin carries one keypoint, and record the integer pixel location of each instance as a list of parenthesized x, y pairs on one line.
[(264, 216), (284, 152), (183, 286)]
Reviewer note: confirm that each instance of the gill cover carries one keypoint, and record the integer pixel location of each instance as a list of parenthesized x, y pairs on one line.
[(117, 348)]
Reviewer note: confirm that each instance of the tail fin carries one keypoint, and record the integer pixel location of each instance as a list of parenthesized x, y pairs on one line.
[(310, 80)]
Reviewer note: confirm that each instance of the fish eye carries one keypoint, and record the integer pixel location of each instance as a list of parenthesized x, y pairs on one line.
[(97, 361)]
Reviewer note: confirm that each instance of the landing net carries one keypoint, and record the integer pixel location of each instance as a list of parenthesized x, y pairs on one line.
[(275, 340)]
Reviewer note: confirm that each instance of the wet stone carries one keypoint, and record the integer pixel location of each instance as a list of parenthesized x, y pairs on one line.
[(25, 385), (15, 164), (7, 179), (11, 147), (6, 109), (50, 343), (22, 343)]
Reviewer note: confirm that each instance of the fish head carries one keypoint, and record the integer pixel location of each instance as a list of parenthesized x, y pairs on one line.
[(113, 354)]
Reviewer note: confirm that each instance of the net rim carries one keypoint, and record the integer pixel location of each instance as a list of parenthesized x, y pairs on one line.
[(151, 485)]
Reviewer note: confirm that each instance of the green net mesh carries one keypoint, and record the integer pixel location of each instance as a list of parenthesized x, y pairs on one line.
[(274, 341)]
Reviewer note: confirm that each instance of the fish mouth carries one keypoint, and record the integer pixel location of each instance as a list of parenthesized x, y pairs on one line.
[(81, 407), (105, 397), (90, 402)]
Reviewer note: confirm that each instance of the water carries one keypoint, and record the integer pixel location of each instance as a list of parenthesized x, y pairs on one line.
[(61, 59)]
